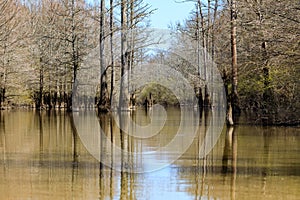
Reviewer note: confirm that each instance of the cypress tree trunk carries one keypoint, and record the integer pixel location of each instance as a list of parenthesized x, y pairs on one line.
[(234, 91), (123, 98), (111, 26), (103, 104)]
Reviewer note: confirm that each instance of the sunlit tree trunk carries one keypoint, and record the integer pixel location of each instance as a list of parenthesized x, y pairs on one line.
[(131, 50), (123, 98), (111, 27), (204, 27), (233, 15), (234, 102)]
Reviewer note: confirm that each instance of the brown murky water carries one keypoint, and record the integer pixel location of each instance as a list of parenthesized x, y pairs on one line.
[(42, 157)]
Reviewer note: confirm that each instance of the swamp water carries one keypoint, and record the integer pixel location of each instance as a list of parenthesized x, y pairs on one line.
[(42, 157)]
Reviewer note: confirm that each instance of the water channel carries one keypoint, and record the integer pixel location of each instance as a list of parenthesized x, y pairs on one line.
[(43, 157)]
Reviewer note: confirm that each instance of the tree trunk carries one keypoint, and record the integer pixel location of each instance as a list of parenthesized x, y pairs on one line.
[(123, 98), (131, 50), (74, 59), (229, 115), (200, 98), (41, 88), (103, 104), (2, 97), (111, 25), (204, 45), (205, 41), (207, 102), (208, 32), (234, 91), (198, 39), (213, 30)]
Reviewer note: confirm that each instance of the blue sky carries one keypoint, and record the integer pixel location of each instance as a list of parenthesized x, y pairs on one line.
[(168, 11)]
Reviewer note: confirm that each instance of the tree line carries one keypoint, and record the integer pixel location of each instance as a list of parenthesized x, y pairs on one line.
[(253, 43), (43, 45)]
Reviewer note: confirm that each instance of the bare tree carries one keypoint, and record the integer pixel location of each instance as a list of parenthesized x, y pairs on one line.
[(104, 103), (8, 12), (123, 99), (234, 92), (111, 28)]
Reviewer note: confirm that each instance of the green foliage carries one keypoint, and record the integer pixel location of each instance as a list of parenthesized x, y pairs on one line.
[(159, 93)]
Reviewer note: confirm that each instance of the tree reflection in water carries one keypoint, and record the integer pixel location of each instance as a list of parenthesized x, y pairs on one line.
[(42, 156), (230, 154)]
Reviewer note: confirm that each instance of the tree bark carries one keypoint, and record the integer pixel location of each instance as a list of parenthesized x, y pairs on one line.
[(123, 98), (205, 41), (131, 51), (234, 91), (103, 104), (41, 88), (111, 27)]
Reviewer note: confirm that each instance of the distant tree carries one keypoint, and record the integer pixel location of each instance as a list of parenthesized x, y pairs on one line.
[(8, 12), (13, 50), (202, 27), (134, 14)]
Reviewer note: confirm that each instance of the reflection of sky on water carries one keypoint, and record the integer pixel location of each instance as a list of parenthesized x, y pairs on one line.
[(162, 185), (41, 158)]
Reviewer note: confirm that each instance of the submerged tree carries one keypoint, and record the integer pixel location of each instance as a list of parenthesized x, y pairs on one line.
[(202, 27), (104, 103), (11, 39), (123, 99), (234, 102), (269, 54)]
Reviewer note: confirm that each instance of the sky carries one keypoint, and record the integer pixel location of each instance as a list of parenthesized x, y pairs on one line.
[(168, 11)]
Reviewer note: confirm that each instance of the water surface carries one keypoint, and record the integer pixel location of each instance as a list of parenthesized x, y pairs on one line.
[(42, 157)]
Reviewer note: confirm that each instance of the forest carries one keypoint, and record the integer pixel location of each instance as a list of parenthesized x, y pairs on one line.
[(254, 44)]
